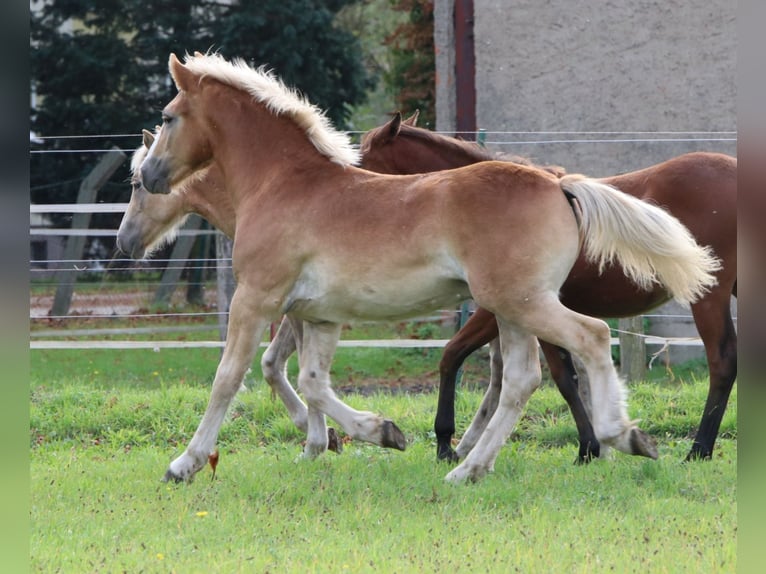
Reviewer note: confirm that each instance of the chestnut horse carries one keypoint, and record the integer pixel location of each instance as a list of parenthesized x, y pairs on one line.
[(151, 220), (698, 188), (329, 243)]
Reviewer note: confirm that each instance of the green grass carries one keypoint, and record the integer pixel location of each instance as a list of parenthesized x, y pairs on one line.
[(100, 441)]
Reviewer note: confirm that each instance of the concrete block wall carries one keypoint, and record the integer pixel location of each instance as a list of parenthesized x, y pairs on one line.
[(605, 66)]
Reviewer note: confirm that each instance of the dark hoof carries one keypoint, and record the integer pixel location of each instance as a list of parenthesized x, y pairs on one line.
[(392, 436), (642, 444), (170, 476), (698, 453), (588, 451), (447, 454), (334, 443)]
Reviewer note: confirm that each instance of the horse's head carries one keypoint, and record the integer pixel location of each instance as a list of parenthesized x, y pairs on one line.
[(181, 147), (150, 220), (400, 147), (377, 152)]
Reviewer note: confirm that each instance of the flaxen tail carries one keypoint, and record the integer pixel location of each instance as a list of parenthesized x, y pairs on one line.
[(650, 244)]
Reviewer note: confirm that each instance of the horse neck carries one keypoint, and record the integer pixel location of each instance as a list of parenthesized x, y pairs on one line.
[(208, 197), (436, 153), (253, 147)]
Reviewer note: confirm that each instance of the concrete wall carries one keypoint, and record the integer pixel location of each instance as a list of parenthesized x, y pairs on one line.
[(600, 66), (584, 65)]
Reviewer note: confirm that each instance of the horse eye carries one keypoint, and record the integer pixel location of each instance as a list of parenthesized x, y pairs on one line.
[(166, 119)]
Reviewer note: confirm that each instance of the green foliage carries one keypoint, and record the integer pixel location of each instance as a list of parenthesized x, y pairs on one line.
[(371, 22), (96, 502), (101, 68), (413, 75)]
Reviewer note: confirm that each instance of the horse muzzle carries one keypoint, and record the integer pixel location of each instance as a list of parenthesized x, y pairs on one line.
[(130, 244)]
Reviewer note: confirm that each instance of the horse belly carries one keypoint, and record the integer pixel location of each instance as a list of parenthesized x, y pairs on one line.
[(340, 298)]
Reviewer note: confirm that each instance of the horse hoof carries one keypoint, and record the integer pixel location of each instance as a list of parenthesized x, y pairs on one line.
[(461, 475), (696, 453), (447, 455), (392, 436), (334, 443), (642, 444), (171, 476), (588, 452)]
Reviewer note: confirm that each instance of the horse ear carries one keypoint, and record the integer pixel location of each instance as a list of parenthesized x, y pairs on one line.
[(198, 54), (148, 138), (395, 125), (181, 75), (412, 121)]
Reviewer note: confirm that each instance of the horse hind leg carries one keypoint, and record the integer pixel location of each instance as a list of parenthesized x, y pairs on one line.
[(588, 338), (319, 343), (521, 377), (565, 376), (712, 316)]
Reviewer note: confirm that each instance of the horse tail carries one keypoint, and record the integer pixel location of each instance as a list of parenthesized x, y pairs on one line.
[(651, 245)]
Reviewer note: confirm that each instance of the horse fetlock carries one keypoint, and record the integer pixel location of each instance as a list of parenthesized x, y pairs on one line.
[(466, 473), (444, 450), (313, 450), (588, 451), (634, 441), (184, 468)]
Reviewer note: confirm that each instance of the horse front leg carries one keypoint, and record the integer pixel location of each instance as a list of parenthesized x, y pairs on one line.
[(274, 368), (246, 327), (319, 343), (288, 339), (479, 330), (488, 404)]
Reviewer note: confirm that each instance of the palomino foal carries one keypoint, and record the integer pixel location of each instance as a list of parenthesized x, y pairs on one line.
[(329, 243), (151, 220)]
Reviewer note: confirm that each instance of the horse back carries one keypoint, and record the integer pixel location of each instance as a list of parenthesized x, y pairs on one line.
[(699, 188)]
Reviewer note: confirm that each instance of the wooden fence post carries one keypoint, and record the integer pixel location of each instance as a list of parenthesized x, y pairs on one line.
[(632, 348), (66, 278)]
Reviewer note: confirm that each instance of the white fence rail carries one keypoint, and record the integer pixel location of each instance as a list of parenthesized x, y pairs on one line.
[(52, 338)]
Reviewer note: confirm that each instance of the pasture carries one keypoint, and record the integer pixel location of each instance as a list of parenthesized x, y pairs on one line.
[(103, 426)]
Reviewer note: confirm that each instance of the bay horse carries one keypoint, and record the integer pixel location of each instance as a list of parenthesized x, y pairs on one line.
[(699, 188), (329, 243)]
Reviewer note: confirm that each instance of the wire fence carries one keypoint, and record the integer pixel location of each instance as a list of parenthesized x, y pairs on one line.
[(120, 291)]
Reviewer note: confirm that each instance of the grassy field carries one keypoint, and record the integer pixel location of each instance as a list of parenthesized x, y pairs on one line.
[(104, 425)]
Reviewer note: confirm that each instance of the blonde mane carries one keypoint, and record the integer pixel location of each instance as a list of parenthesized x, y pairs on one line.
[(137, 159), (269, 90)]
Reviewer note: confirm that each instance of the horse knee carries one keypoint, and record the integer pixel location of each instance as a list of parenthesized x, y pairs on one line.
[(269, 368), (313, 386), (519, 386)]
